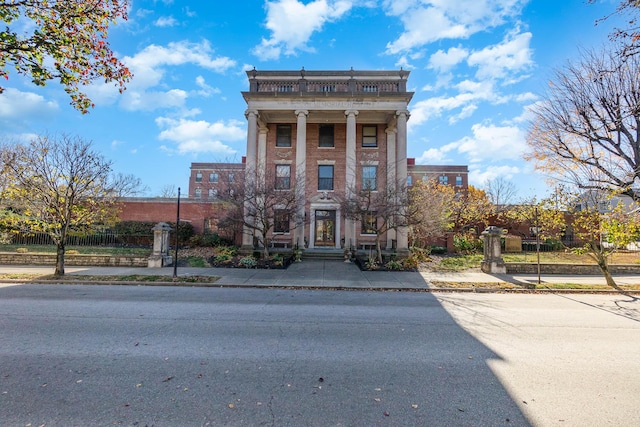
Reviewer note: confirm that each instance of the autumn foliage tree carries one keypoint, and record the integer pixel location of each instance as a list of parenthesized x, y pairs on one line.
[(59, 186), (63, 40)]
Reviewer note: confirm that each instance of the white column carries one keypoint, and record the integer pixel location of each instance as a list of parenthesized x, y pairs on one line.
[(250, 168), (262, 152), (401, 171), (391, 173), (301, 174), (350, 174)]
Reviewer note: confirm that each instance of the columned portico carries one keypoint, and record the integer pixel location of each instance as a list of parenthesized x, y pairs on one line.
[(350, 174), (251, 169), (301, 173), (401, 171), (340, 132)]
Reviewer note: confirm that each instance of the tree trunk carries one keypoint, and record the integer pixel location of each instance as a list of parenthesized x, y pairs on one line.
[(601, 259), (378, 250), (59, 272)]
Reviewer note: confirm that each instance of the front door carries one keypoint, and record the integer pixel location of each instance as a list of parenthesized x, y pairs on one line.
[(325, 228)]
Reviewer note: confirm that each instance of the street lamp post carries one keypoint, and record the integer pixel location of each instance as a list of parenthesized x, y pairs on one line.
[(175, 262)]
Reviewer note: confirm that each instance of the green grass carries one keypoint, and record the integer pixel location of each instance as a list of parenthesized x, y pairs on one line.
[(196, 261), (85, 250), (461, 262)]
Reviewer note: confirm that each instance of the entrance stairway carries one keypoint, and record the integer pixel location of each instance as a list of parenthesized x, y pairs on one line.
[(325, 254)]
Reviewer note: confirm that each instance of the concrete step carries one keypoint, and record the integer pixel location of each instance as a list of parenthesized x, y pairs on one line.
[(323, 254)]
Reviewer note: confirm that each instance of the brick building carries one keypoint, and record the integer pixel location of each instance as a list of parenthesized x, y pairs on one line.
[(331, 133)]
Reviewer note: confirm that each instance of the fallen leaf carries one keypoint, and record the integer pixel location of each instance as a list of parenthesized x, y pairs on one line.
[(138, 385), (377, 389), (377, 399), (231, 406), (78, 382), (136, 344), (414, 406), (185, 389), (167, 379), (386, 414)]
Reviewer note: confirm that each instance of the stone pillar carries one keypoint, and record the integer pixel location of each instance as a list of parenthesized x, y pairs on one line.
[(301, 175), (250, 170), (493, 262), (350, 171), (401, 173), (160, 256), (262, 152), (391, 175)]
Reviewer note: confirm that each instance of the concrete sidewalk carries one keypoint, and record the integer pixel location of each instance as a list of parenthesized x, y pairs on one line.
[(328, 274)]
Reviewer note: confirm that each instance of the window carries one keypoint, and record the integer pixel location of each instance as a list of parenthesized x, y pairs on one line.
[(199, 177), (213, 193), (283, 177), (409, 180), (369, 136), (328, 88), (458, 181), (326, 136), (283, 136), (369, 177), (369, 223), (325, 177), (198, 193), (213, 177), (281, 221), (443, 179), (232, 177)]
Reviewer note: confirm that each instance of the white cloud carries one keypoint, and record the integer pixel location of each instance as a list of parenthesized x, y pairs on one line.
[(444, 61), (199, 136), (503, 60), (292, 23), (149, 67), (426, 21), (480, 176), (492, 143), (205, 89), (23, 106), (166, 21)]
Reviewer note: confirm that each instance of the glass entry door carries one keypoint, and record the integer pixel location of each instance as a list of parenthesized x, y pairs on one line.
[(325, 228)]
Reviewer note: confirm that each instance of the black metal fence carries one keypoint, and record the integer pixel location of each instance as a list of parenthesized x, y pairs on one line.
[(106, 239)]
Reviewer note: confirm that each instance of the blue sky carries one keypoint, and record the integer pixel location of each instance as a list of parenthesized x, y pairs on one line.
[(476, 67)]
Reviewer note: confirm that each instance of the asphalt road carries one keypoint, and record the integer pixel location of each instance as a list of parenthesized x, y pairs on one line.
[(136, 356)]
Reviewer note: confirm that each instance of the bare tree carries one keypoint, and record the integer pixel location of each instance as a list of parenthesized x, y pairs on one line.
[(501, 192), (585, 131), (263, 205), (629, 36), (168, 191), (379, 205), (59, 185), (429, 211)]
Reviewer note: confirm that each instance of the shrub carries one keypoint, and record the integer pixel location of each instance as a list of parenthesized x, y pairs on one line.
[(207, 240), (248, 262), (222, 258), (22, 250), (226, 250), (410, 262), (71, 252), (371, 263), (438, 250), (422, 255), (466, 243), (394, 265)]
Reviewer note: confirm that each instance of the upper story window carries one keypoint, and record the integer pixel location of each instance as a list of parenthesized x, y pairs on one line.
[(369, 174), (198, 193), (213, 177), (283, 136), (199, 177), (458, 181), (325, 177), (213, 193), (325, 138), (443, 179), (232, 177), (409, 180), (369, 136), (283, 177)]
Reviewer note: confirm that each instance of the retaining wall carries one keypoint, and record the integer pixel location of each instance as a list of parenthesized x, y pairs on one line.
[(10, 258), (576, 269)]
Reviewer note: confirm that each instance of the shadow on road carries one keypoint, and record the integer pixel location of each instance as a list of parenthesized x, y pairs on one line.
[(100, 355)]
